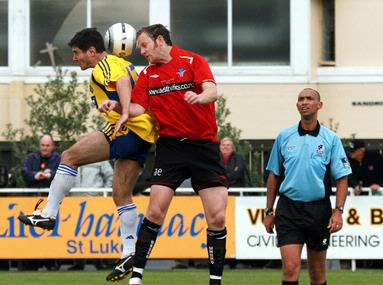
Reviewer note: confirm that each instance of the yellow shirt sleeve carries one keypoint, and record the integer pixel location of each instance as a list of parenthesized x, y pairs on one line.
[(108, 71)]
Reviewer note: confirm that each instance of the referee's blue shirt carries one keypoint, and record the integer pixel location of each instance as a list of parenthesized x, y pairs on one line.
[(305, 160)]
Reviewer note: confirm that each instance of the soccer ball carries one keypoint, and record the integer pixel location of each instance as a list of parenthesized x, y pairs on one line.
[(120, 39)]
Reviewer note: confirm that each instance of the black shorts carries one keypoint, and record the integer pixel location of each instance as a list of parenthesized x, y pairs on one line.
[(303, 222), (178, 159)]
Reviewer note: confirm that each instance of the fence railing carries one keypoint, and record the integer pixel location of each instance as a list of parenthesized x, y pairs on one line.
[(187, 191)]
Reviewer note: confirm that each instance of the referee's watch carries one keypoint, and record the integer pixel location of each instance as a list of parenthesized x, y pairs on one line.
[(340, 208), (269, 211)]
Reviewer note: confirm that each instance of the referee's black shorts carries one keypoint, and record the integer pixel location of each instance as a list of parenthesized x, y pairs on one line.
[(178, 159), (303, 223)]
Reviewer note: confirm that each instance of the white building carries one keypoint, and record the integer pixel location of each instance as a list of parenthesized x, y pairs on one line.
[(262, 52)]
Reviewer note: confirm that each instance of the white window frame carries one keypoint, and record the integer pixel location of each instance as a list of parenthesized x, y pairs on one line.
[(358, 74), (5, 71), (159, 12), (298, 71)]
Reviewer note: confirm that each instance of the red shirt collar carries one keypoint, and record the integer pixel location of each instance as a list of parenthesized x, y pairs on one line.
[(174, 51)]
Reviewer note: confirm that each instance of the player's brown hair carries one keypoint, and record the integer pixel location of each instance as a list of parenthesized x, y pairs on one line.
[(154, 31)]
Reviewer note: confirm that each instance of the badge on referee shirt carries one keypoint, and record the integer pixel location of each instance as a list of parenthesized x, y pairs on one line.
[(345, 162)]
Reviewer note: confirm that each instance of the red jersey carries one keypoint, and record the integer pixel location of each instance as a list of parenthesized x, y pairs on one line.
[(160, 89)]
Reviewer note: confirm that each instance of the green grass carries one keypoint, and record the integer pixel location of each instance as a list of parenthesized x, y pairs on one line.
[(192, 277)]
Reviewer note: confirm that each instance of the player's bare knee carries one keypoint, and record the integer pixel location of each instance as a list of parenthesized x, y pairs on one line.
[(216, 220), (120, 198), (155, 215), (291, 269), (69, 159)]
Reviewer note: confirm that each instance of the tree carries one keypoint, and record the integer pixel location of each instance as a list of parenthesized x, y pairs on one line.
[(57, 108), (225, 129)]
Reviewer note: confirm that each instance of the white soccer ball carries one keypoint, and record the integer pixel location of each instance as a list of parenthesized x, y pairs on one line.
[(120, 39)]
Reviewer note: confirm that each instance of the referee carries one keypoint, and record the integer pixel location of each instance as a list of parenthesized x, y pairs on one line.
[(301, 161)]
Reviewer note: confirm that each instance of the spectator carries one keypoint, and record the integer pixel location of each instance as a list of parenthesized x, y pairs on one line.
[(94, 175), (38, 170), (40, 167), (4, 263), (3, 176), (234, 163), (236, 174), (367, 168), (367, 171)]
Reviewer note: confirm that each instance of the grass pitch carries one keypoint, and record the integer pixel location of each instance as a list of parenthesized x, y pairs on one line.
[(193, 277)]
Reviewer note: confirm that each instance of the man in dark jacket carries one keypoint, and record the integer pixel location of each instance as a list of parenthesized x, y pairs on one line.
[(40, 167), (367, 168), (38, 171), (234, 163)]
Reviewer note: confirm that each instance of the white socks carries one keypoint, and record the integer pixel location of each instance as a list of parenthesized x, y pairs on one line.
[(63, 181), (128, 228)]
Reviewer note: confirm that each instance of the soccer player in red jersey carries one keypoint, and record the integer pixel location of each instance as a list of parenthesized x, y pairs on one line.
[(179, 90)]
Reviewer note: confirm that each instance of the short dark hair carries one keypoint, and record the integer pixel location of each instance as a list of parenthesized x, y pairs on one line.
[(87, 38), (156, 30), (356, 144), (316, 93)]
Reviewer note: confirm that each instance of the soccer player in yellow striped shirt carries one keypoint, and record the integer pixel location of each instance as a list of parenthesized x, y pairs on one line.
[(122, 138)]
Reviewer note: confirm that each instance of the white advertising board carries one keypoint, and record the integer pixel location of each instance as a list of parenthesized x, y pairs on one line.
[(360, 238)]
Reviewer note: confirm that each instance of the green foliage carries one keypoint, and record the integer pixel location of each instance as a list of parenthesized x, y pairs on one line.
[(225, 129), (57, 108)]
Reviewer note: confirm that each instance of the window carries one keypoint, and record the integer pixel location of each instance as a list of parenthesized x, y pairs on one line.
[(49, 43), (328, 33), (260, 30), (135, 13), (3, 33), (201, 26)]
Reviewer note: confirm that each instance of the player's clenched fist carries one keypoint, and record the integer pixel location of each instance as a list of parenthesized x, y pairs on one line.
[(109, 105), (192, 97)]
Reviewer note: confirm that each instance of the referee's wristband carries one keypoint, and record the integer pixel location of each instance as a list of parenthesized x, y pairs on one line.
[(269, 211)]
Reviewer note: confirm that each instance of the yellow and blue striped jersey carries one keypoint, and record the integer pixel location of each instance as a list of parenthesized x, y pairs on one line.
[(102, 86)]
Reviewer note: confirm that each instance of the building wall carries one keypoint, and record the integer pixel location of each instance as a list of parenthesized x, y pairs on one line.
[(259, 110), (13, 108), (262, 109), (359, 40)]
